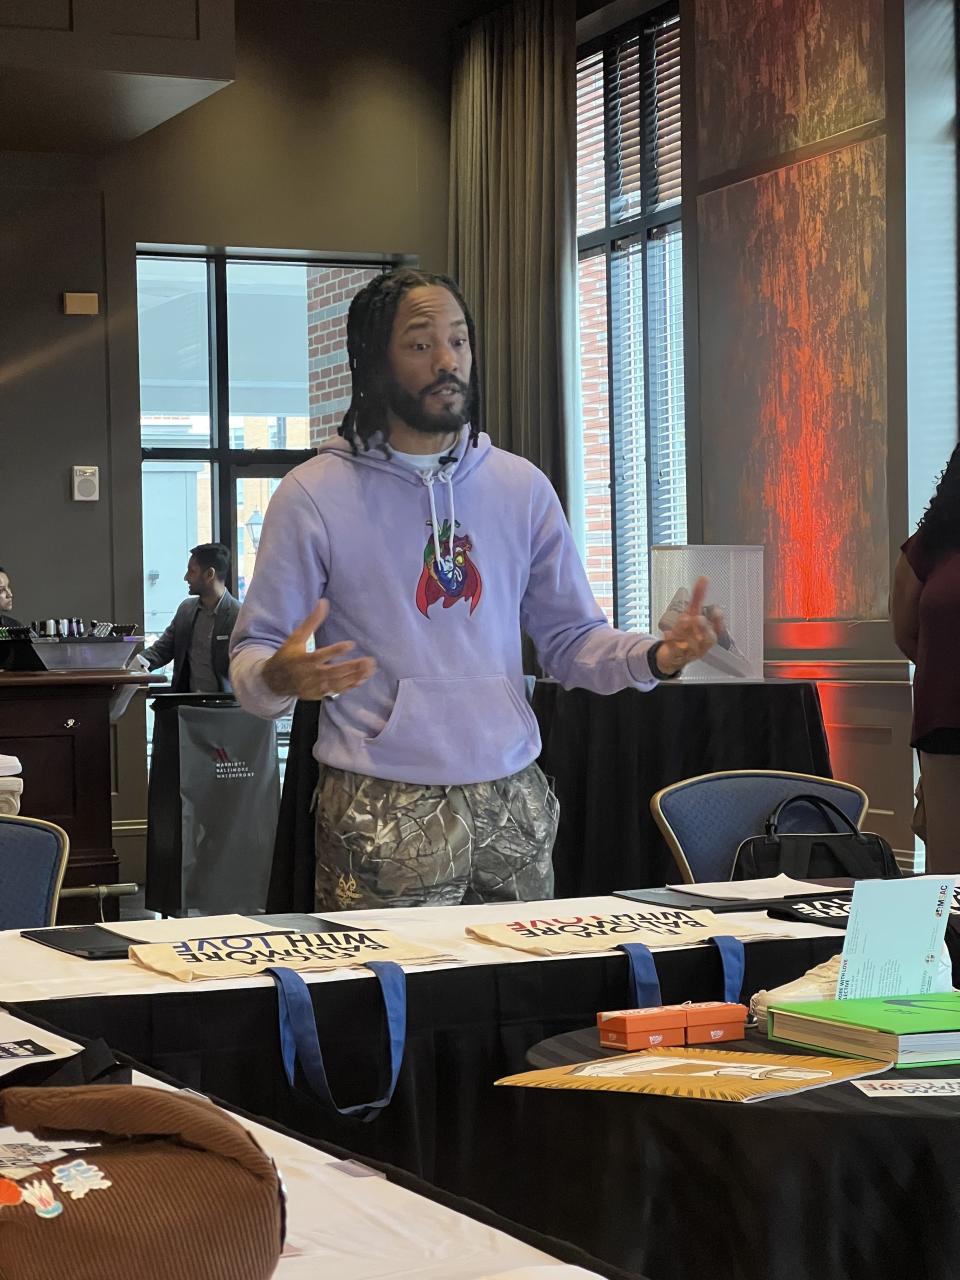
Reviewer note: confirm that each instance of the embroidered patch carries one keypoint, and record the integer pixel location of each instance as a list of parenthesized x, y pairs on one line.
[(45, 1203), (78, 1177)]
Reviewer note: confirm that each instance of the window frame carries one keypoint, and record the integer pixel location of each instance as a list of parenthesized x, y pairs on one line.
[(606, 240), (229, 464)]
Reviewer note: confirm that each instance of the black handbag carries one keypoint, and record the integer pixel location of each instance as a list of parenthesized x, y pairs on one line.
[(843, 851)]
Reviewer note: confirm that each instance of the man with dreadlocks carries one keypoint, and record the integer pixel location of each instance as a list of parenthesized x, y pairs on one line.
[(429, 550)]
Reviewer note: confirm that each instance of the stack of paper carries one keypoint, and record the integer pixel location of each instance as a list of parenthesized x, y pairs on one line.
[(752, 890)]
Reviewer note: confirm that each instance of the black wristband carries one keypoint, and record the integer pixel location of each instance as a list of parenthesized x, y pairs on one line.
[(652, 664)]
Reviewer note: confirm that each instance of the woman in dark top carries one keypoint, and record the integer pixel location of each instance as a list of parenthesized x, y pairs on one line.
[(6, 601), (926, 625)]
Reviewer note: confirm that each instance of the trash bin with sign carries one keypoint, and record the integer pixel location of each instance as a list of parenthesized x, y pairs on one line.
[(212, 810)]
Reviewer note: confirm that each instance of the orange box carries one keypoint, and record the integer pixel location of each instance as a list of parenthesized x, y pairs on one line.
[(634, 1029), (712, 1020), (703, 1022)]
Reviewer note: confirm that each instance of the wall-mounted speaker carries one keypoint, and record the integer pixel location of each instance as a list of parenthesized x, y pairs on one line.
[(86, 484)]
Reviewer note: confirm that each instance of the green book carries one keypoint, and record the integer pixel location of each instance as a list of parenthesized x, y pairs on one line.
[(905, 1030)]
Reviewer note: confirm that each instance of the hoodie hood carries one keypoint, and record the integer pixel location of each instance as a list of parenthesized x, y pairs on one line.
[(465, 457)]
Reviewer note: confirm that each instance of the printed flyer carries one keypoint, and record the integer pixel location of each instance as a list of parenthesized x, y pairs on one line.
[(895, 937)]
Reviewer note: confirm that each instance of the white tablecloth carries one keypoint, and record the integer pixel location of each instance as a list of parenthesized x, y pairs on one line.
[(347, 1221), (29, 971)]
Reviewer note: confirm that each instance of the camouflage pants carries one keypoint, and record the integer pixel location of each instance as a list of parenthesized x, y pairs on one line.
[(396, 844)]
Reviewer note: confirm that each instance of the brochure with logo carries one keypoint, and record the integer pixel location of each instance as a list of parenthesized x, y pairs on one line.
[(894, 937), (715, 1075)]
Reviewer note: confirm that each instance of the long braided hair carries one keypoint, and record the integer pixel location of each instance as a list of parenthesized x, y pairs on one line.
[(939, 527), (369, 326)]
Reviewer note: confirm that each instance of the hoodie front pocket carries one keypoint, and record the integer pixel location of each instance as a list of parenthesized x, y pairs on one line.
[(473, 721)]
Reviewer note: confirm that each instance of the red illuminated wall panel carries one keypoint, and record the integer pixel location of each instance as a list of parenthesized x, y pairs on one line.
[(793, 379)]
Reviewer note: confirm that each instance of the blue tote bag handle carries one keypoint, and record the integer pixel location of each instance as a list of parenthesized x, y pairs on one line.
[(299, 1041), (645, 985), (733, 959)]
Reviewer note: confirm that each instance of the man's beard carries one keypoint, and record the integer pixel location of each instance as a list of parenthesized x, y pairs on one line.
[(414, 412)]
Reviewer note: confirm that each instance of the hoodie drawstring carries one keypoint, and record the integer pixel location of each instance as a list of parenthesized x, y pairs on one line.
[(447, 479), (444, 476)]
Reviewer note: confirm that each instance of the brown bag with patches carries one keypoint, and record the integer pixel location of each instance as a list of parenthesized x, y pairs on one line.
[(191, 1195)]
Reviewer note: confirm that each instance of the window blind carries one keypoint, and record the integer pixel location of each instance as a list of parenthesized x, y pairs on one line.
[(629, 130), (661, 110), (591, 191), (629, 433), (625, 133), (668, 464)]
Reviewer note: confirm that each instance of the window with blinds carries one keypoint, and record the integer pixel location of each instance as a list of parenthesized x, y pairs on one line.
[(631, 307)]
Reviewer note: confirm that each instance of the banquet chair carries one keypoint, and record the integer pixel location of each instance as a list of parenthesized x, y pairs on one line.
[(704, 819), (33, 858)]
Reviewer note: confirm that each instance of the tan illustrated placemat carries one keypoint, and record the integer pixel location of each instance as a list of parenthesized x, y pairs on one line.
[(243, 956), (714, 1074)]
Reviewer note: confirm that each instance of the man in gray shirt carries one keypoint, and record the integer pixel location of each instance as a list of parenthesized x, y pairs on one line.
[(198, 638)]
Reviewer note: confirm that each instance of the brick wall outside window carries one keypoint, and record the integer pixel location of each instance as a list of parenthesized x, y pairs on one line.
[(329, 293), (594, 384), (596, 428)]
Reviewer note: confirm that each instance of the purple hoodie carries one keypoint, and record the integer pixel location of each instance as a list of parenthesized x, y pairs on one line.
[(447, 703)]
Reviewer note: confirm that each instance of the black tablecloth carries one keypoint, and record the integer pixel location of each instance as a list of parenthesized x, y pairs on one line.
[(97, 1063), (608, 756), (827, 1183), (291, 877), (465, 1028)]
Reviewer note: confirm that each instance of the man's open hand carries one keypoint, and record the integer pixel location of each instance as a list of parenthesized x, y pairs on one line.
[(293, 671), (691, 637)]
